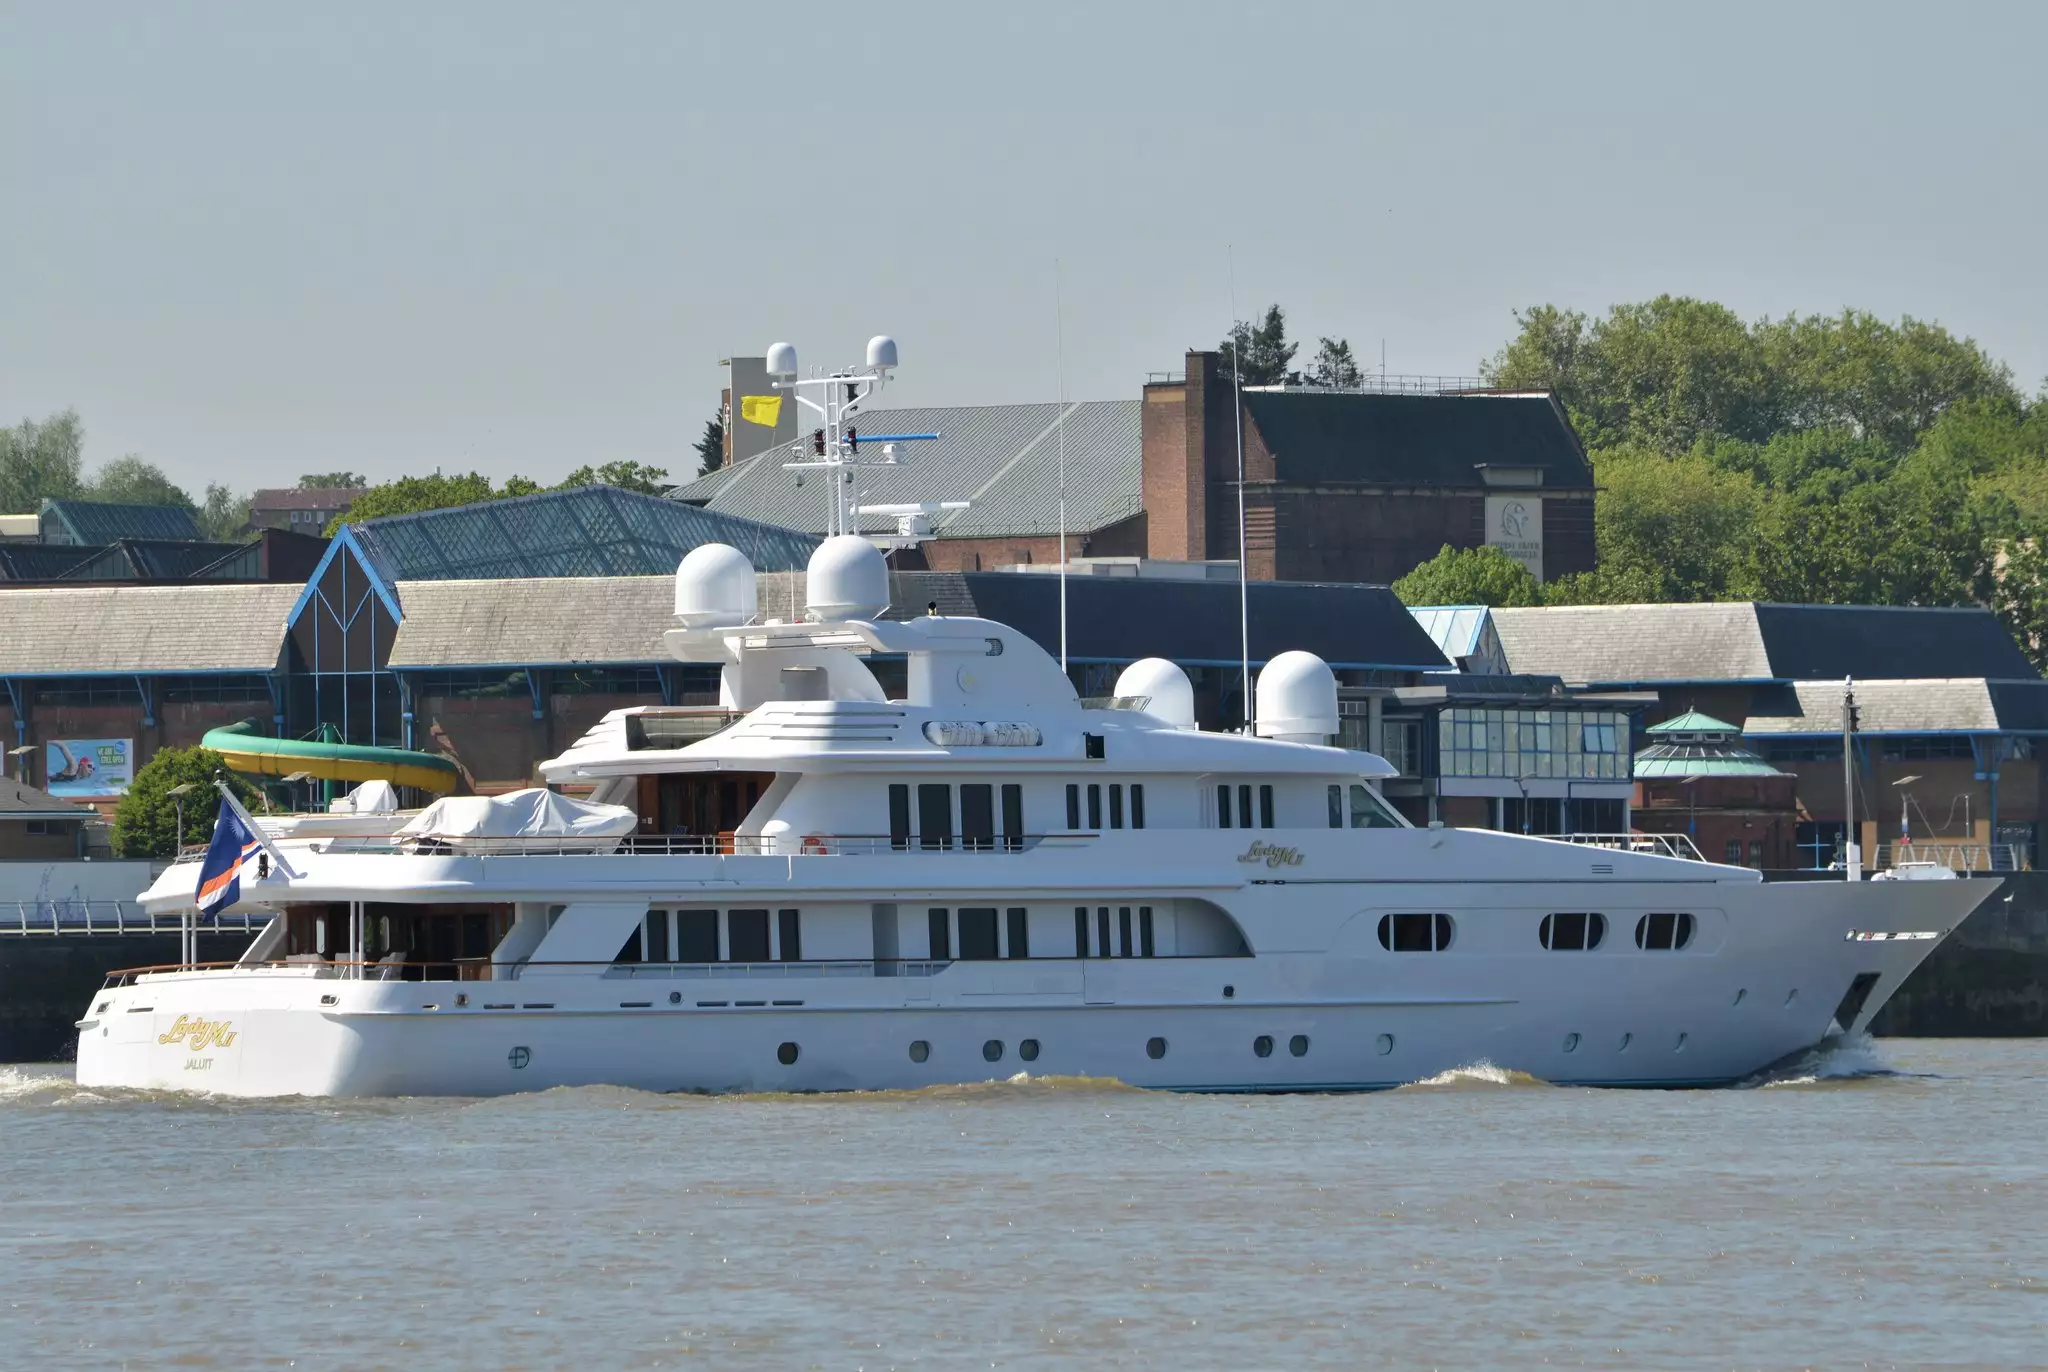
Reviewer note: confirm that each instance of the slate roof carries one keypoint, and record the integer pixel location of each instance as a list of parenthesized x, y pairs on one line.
[(96, 630), (620, 620), (1327, 437), (18, 801), (1918, 706), (582, 531), (98, 523), (1003, 458), (1745, 641)]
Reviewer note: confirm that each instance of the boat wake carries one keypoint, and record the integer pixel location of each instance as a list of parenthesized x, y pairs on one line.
[(1474, 1076), (1837, 1062)]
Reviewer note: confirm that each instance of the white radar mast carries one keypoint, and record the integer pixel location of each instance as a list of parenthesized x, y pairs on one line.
[(833, 445)]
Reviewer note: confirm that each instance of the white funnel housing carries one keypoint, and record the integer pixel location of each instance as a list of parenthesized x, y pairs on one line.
[(881, 351), (1297, 697), (848, 580), (1172, 694), (714, 587)]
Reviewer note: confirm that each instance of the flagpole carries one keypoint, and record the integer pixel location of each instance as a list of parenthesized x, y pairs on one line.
[(1060, 374)]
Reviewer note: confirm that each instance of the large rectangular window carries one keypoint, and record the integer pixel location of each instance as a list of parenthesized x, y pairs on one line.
[(978, 933), (696, 936), (934, 816), (1020, 932), (1582, 745), (1013, 817), (899, 816), (789, 933), (941, 934), (746, 935), (977, 817), (657, 936)]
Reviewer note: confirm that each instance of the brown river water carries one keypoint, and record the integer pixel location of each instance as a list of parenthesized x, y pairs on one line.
[(1885, 1204)]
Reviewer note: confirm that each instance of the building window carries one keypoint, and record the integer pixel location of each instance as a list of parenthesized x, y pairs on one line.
[(1573, 933), (1756, 852), (935, 816), (1819, 841), (1664, 932), (1415, 933), (696, 936), (1578, 745), (1401, 745), (1731, 852)]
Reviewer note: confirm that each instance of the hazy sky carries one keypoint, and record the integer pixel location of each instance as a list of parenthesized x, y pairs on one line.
[(247, 241)]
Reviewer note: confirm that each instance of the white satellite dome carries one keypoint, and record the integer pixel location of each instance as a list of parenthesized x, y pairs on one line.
[(848, 580), (1172, 694), (881, 351), (1297, 698), (714, 586), (782, 359)]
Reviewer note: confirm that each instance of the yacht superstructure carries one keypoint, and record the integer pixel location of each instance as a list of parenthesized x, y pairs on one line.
[(815, 886)]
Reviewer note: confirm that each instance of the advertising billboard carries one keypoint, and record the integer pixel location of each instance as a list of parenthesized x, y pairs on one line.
[(88, 766)]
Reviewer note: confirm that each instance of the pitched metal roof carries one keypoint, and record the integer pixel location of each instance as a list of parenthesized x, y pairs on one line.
[(1415, 440), (1463, 631), (580, 532), (620, 620), (1003, 458), (1917, 706), (99, 522), (18, 801), (1698, 745), (1755, 642), (1693, 722), (102, 630)]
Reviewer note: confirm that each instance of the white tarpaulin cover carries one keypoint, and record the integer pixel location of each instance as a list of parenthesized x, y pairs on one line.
[(532, 813), (370, 798)]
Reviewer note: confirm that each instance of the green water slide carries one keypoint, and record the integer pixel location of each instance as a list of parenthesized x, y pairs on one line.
[(328, 759)]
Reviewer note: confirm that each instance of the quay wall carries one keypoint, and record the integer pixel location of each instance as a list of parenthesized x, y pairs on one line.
[(1989, 979), (47, 982)]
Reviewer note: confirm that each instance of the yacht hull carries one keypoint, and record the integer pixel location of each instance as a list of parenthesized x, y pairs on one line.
[(1784, 969)]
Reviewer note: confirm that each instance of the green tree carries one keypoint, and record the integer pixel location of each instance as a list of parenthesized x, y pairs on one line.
[(146, 818), (1333, 365), (710, 446), (1543, 355), (1469, 576), (223, 515), (1888, 382), (322, 481), (631, 476), (1669, 529), (413, 494), (1265, 350), (132, 481), (41, 462), (2021, 593)]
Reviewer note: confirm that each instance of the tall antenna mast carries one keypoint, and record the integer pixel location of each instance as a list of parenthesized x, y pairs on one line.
[(1060, 364), (1244, 619)]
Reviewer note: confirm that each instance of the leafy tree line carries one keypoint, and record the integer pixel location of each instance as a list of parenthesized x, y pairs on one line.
[(1826, 459), (46, 461)]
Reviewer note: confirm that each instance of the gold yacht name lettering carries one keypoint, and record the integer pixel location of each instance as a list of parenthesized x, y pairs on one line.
[(1272, 855), (201, 1034)]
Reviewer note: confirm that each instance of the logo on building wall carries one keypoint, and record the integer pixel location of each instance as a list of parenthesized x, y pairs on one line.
[(1514, 524)]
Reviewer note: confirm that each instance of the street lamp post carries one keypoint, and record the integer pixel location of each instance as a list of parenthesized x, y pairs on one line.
[(177, 795)]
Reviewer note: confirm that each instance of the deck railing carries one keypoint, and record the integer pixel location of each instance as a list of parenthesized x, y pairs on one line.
[(1960, 857), (29, 917), (485, 970), (692, 845), (1657, 845)]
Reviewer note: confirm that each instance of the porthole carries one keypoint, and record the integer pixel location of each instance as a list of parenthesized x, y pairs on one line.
[(992, 1051), (1262, 1046), (1679, 1047), (1572, 933), (1384, 1043), (1155, 1048), (786, 1054), (675, 998), (1626, 1040), (1571, 1043), (1298, 1045), (1741, 995), (1664, 931), (1028, 1050), (1415, 933), (919, 1050)]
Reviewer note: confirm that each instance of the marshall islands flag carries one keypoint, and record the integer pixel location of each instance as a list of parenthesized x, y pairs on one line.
[(234, 843)]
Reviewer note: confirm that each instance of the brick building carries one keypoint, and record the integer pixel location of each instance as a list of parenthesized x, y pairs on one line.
[(1358, 485), (301, 509)]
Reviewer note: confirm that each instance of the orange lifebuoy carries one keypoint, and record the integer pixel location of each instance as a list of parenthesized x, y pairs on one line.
[(814, 843)]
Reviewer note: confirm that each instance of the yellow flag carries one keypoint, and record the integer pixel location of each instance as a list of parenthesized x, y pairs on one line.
[(761, 409)]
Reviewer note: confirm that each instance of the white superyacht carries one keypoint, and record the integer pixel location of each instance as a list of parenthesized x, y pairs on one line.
[(815, 887)]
